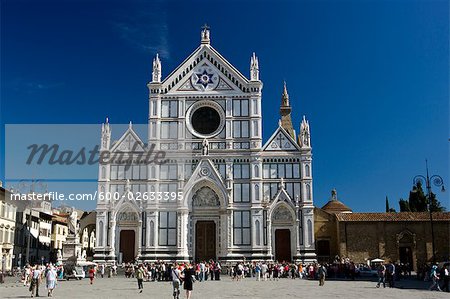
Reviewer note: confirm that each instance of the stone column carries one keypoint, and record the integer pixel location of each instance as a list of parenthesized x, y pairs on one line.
[(139, 238), (183, 241), (269, 236), (112, 237)]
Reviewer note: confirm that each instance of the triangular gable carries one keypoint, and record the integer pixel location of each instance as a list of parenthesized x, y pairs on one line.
[(127, 141), (282, 195), (228, 75), (205, 77), (281, 141), (205, 169)]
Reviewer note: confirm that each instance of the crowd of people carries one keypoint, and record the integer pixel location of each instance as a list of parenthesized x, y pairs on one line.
[(185, 274), (181, 274)]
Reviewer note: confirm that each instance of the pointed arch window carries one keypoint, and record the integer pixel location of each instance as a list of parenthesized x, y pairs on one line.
[(152, 233), (100, 233), (308, 192), (256, 171), (256, 192), (257, 233), (310, 234), (307, 170)]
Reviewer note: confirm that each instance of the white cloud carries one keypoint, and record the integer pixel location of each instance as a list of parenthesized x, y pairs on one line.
[(145, 31)]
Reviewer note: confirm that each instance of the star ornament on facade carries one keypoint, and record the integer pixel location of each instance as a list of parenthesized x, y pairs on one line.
[(204, 78)]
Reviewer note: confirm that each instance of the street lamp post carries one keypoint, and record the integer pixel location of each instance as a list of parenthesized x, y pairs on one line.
[(438, 182)]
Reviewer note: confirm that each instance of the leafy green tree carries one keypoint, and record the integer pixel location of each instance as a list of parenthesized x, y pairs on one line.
[(435, 205), (388, 209), (404, 205), (417, 199)]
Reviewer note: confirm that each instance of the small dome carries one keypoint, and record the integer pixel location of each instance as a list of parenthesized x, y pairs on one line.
[(334, 205)]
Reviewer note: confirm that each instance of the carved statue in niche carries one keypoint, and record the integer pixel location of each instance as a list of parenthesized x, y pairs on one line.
[(205, 147), (282, 214), (205, 197)]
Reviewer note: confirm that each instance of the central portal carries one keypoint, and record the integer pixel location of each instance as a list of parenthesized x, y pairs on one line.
[(205, 241), (127, 238)]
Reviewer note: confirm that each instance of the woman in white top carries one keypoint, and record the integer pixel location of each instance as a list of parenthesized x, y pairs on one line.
[(50, 277)]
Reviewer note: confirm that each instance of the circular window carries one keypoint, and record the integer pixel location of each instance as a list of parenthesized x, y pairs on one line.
[(205, 119)]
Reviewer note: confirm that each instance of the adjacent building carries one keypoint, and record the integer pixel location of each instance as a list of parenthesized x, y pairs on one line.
[(223, 193), (59, 234), (7, 229), (33, 232), (403, 237)]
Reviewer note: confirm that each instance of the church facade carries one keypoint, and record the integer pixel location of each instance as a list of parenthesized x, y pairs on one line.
[(221, 192)]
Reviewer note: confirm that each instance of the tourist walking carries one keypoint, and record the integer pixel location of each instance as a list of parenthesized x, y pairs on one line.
[(28, 277), (50, 278), (140, 277), (390, 273), (381, 275), (446, 273), (91, 273), (322, 274), (435, 278), (189, 274), (201, 274), (258, 271), (35, 281), (102, 270), (176, 281), (264, 271)]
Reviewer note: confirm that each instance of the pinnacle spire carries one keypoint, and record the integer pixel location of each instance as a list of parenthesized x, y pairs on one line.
[(254, 68), (156, 73), (285, 112)]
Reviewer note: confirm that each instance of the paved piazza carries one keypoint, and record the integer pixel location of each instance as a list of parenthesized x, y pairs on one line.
[(284, 288)]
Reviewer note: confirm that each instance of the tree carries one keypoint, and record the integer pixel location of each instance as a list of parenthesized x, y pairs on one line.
[(404, 205), (417, 199), (435, 205), (388, 209)]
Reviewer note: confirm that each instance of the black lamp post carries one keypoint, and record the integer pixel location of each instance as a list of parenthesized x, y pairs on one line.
[(438, 182)]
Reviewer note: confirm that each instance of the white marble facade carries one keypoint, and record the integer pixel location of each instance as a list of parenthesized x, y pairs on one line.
[(249, 199)]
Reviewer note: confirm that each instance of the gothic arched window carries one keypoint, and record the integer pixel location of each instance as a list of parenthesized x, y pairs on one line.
[(257, 171), (307, 170), (152, 233), (100, 233), (258, 233), (308, 192), (256, 192), (310, 233)]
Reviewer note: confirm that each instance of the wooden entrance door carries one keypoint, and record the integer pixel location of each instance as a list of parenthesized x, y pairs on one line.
[(205, 240), (127, 238), (283, 245)]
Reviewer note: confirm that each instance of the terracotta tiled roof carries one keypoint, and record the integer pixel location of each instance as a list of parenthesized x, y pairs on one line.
[(402, 216), (335, 206)]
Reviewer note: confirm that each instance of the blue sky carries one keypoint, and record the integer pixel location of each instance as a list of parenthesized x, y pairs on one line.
[(371, 76)]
